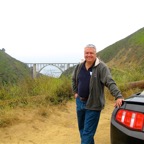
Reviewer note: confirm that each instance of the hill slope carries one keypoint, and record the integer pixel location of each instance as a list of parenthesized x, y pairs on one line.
[(126, 52), (12, 70)]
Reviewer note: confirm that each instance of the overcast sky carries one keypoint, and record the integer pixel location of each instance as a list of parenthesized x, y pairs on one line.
[(57, 30)]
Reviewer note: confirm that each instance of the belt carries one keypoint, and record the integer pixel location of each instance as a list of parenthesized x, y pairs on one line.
[(83, 98)]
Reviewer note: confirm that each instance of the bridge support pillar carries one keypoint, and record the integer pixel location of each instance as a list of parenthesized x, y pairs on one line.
[(34, 70)]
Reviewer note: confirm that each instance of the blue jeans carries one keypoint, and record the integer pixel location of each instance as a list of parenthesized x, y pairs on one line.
[(87, 122)]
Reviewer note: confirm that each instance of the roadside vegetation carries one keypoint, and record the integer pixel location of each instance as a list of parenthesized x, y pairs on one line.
[(123, 79), (43, 92), (46, 92)]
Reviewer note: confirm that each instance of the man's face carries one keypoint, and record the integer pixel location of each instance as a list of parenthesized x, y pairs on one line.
[(90, 54)]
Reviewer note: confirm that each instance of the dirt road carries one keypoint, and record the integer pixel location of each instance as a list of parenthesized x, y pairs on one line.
[(60, 127)]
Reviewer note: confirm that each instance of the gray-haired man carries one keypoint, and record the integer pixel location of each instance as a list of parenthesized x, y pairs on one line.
[(88, 81)]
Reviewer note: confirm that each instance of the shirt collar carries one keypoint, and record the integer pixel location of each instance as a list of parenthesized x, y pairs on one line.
[(97, 62)]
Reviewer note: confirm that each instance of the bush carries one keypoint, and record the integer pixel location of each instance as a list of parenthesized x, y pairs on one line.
[(43, 90)]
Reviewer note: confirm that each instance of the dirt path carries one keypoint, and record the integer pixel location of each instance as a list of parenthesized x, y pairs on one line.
[(58, 128)]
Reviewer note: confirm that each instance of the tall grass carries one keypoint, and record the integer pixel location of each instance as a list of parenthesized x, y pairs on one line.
[(44, 92), (123, 77), (48, 90), (40, 93)]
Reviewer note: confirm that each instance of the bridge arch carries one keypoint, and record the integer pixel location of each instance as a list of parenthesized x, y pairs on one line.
[(37, 67), (51, 70), (50, 65)]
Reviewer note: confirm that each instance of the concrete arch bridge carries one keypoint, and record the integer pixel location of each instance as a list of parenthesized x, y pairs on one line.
[(38, 67)]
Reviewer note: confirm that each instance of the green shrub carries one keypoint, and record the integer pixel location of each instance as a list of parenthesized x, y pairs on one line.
[(40, 91)]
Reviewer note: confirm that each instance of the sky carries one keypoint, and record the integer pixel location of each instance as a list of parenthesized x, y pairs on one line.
[(54, 31)]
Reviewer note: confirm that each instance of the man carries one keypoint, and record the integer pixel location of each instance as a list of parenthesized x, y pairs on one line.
[(88, 81)]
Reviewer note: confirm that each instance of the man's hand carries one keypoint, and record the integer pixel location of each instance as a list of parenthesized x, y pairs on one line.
[(118, 102), (75, 95)]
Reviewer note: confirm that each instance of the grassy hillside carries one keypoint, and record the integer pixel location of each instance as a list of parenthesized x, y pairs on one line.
[(125, 58), (12, 70), (126, 52)]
